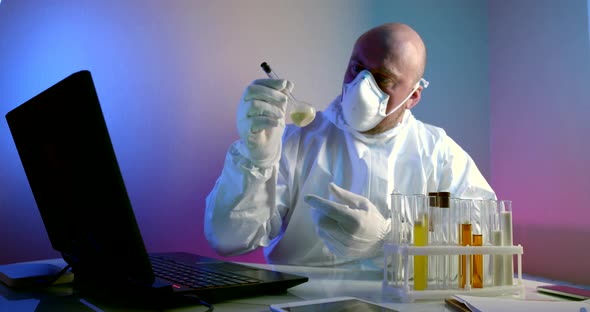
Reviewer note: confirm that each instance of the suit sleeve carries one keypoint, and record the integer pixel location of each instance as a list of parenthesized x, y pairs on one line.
[(241, 211)]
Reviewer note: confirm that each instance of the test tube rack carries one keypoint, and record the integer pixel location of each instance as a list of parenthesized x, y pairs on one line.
[(405, 292)]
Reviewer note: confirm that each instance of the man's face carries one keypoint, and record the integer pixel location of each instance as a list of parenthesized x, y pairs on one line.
[(394, 76)]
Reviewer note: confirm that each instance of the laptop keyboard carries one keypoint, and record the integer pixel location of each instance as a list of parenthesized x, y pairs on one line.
[(193, 277)]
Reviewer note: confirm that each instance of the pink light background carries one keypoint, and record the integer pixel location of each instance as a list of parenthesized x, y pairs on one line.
[(539, 75)]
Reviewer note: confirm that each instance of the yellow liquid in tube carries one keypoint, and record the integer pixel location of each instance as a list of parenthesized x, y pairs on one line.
[(477, 264), (465, 240), (420, 262)]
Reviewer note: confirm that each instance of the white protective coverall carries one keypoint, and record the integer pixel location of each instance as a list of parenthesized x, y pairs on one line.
[(251, 207)]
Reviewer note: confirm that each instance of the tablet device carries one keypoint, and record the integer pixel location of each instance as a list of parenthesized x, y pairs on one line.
[(565, 291), (349, 304)]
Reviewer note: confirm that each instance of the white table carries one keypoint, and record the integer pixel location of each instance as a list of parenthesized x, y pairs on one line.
[(323, 283)]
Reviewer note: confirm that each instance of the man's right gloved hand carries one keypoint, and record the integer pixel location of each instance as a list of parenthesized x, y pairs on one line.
[(261, 120)]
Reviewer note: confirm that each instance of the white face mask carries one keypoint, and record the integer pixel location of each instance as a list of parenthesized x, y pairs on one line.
[(363, 103)]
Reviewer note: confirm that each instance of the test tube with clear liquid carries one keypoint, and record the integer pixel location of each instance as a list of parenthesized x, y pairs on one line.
[(433, 238), (454, 230), (300, 113), (486, 219), (443, 238), (398, 206)]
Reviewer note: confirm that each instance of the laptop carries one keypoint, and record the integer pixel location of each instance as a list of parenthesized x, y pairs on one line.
[(66, 152)]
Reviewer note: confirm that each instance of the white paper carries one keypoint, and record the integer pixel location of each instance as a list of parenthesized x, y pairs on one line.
[(485, 304)]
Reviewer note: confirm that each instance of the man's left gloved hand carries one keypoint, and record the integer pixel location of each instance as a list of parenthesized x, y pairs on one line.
[(352, 227)]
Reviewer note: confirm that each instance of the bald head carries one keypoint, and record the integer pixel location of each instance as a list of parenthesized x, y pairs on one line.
[(396, 42), (396, 57)]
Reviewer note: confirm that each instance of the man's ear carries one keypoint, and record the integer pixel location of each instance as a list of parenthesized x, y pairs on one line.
[(415, 98)]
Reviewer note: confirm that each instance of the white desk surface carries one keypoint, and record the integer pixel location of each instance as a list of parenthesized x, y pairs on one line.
[(323, 283)]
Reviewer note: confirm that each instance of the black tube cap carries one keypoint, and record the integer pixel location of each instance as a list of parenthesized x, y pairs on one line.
[(265, 67)]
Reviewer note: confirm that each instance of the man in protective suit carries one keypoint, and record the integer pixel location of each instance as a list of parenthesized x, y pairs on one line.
[(319, 195)]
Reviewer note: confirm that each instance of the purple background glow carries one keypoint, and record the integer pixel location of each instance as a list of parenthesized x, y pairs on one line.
[(539, 75), (510, 88)]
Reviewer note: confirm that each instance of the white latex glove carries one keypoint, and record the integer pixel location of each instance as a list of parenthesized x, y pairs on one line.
[(353, 228), (261, 120)]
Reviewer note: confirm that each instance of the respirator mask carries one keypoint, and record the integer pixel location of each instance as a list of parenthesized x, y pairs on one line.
[(363, 103)]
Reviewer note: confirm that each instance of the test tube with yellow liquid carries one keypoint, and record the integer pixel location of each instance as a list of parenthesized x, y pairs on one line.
[(477, 263), (419, 206), (300, 113), (465, 240)]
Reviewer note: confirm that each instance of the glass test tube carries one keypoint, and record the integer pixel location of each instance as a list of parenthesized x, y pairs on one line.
[(419, 208), (301, 113), (454, 230), (497, 260), (476, 266), (465, 238), (433, 225), (486, 221), (442, 232), (506, 227), (397, 229), (407, 226)]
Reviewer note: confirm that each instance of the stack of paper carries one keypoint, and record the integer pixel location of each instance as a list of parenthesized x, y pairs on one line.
[(485, 304)]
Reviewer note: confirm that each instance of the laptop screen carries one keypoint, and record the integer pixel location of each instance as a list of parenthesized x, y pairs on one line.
[(67, 155)]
